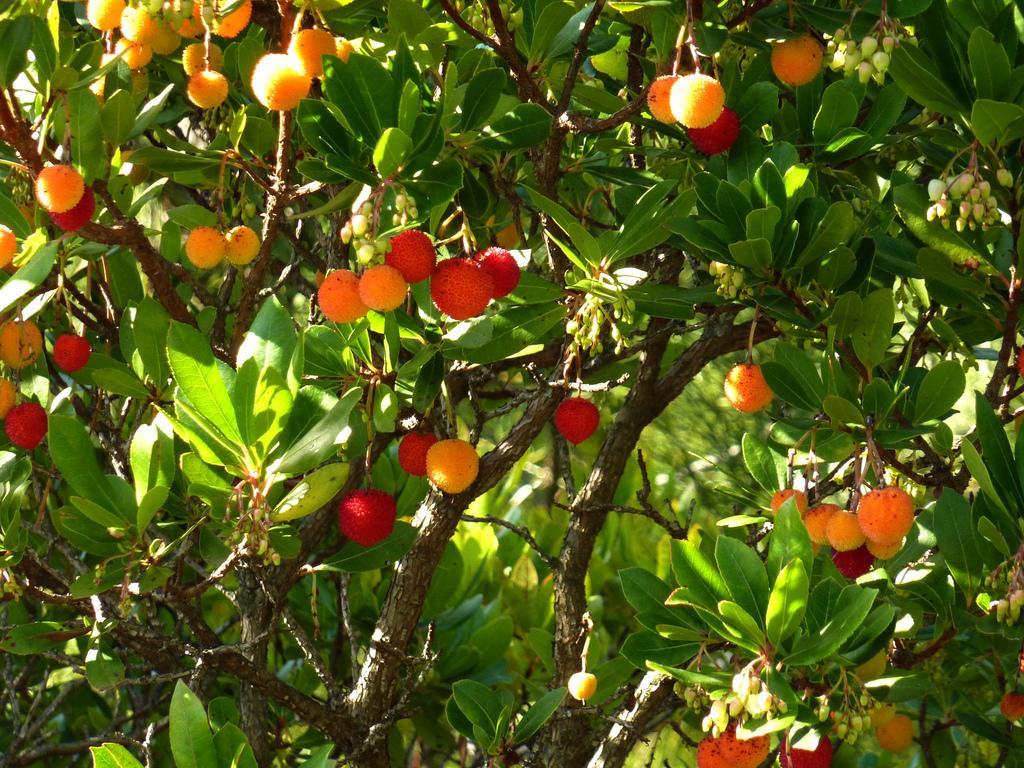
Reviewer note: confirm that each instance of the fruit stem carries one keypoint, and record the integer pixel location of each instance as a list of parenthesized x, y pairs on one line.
[(753, 331)]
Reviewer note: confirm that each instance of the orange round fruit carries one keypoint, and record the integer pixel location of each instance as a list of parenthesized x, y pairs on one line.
[(382, 288), (207, 89), (884, 551), (730, 751), (59, 188), (21, 343), (797, 61), (746, 389), (243, 245), (816, 522), (659, 103), (309, 46), (8, 246), (886, 515), (843, 531), (696, 100), (193, 58), (105, 15), (135, 56), (781, 497), (278, 83), (452, 465), (206, 247), (165, 39), (582, 685), (338, 297), (8, 395), (895, 735), (233, 23), (344, 48), (138, 26), (1012, 706)]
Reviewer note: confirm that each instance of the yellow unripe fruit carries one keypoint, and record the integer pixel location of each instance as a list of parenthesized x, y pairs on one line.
[(309, 46), (382, 288), (59, 188), (797, 62), (232, 25), (277, 82), (696, 100), (138, 26), (206, 247), (874, 667), (659, 101), (8, 246), (843, 531), (134, 56), (21, 343), (338, 297), (165, 39), (582, 685), (105, 15), (816, 522), (243, 245), (896, 735), (207, 89), (8, 394), (193, 58), (452, 465)]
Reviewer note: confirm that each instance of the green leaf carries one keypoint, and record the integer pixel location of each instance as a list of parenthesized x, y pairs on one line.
[(118, 117), (760, 463), (912, 70), (271, 339), (233, 748), (834, 229), (28, 276), (75, 457), (694, 570), (481, 705), (989, 64), (790, 540), (481, 97), (754, 254), (311, 493), (364, 92), (747, 580), (980, 473), (856, 603), (354, 558), (190, 736), (965, 552), (113, 756), (538, 714), (939, 391), (996, 121), (748, 633), (391, 152), (788, 603), (838, 111), (321, 439), (86, 134), (527, 125), (641, 647), (995, 450), (198, 377), (15, 43), (873, 332)]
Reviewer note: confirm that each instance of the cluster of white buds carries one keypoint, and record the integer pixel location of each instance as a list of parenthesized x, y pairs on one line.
[(1007, 610), (966, 199), (359, 232), (848, 726), (869, 57), (477, 15), (749, 697), (695, 697), (587, 324), (728, 279), (405, 209)]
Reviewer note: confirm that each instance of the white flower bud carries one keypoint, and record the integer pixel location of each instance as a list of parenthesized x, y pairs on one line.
[(1004, 177), (359, 224), (888, 43), (935, 189), (864, 72), (868, 46), (881, 61)]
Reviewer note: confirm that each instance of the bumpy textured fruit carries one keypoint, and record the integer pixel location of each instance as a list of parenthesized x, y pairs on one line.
[(105, 15), (309, 46), (21, 343), (79, 216), (895, 735), (207, 89), (206, 247), (503, 269), (576, 419), (843, 531), (59, 188), (697, 100), (165, 39), (886, 515), (806, 758), (8, 246), (730, 751), (366, 517), (874, 667), (26, 425), (338, 297), (797, 61), (452, 465), (413, 254), (884, 551), (781, 497), (71, 352), (461, 288), (853, 563), (745, 388), (134, 55), (193, 58), (233, 23), (719, 136), (658, 98), (1012, 706), (412, 452), (382, 288), (277, 82), (137, 25), (243, 245), (582, 685), (8, 394), (816, 522)]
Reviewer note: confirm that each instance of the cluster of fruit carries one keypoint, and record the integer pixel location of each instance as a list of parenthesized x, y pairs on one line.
[(586, 325), (697, 102), (749, 697), (968, 196), (728, 279), (61, 191), (478, 16), (868, 59), (207, 247), (358, 232)]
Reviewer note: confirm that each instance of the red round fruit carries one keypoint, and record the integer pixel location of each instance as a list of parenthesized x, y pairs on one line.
[(719, 136), (71, 352), (366, 517), (412, 452), (78, 216), (413, 255), (576, 419), (26, 425), (461, 288), (502, 267), (806, 758), (854, 563)]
